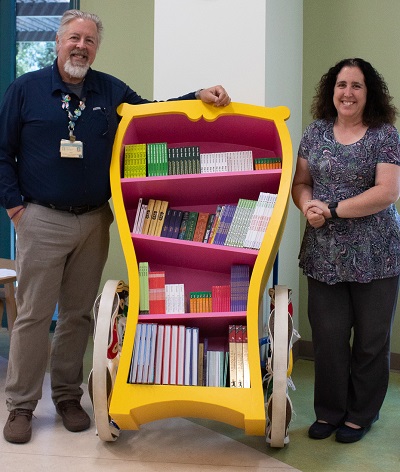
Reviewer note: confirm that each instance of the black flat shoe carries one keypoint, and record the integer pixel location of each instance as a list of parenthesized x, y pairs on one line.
[(346, 434), (321, 430)]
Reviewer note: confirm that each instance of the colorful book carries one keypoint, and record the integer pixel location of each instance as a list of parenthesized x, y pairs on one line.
[(135, 160), (191, 226), (161, 218), (156, 292), (176, 225), (239, 356), (167, 220), (208, 227), (240, 280), (154, 217), (215, 224), (246, 368), (232, 356), (183, 225), (149, 213), (221, 298), (144, 307), (240, 223), (226, 217), (201, 227)]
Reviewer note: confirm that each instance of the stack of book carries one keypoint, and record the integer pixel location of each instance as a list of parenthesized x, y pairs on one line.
[(259, 220), (239, 373), (184, 160), (165, 354), (173, 355), (238, 228), (221, 298), (267, 163), (158, 297), (135, 160), (239, 225), (150, 217), (240, 280), (158, 159), (235, 161)]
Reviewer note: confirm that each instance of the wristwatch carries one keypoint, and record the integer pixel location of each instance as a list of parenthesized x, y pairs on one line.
[(332, 207)]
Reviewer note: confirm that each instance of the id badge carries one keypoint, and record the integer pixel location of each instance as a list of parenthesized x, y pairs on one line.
[(71, 149)]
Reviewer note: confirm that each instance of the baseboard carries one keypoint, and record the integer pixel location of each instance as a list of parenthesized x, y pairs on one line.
[(304, 350)]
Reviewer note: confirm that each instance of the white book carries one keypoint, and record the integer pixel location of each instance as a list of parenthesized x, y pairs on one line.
[(181, 355), (159, 354), (174, 355), (151, 371), (166, 355), (195, 356), (188, 355), (135, 224), (135, 355), (143, 340)]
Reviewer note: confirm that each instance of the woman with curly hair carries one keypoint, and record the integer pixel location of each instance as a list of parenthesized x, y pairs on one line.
[(346, 184)]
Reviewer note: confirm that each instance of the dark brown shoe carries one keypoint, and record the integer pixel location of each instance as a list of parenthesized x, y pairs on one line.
[(18, 428), (74, 417)]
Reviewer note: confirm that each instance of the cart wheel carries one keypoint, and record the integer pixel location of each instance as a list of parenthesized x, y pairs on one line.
[(108, 311), (279, 407)]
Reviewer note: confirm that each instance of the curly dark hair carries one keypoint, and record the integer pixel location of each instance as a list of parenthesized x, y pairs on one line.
[(378, 107)]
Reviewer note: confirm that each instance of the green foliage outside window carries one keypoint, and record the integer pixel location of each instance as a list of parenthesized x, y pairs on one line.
[(34, 55)]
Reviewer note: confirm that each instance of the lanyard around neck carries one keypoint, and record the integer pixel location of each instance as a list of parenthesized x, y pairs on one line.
[(65, 99)]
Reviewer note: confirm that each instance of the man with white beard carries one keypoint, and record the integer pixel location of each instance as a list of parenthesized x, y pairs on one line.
[(58, 126)]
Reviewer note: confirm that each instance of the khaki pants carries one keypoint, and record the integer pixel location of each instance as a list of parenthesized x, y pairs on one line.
[(60, 259)]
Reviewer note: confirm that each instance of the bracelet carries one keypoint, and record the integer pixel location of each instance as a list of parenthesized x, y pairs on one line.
[(197, 93), (16, 213)]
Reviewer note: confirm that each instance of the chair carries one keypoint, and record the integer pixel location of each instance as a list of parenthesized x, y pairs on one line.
[(7, 279)]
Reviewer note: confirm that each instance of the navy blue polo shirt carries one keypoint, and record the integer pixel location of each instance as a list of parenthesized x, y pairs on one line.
[(33, 123)]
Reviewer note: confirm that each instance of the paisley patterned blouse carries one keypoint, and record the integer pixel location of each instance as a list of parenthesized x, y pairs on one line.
[(350, 249)]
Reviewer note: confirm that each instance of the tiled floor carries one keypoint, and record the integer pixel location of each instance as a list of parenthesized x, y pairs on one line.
[(168, 445), (181, 444)]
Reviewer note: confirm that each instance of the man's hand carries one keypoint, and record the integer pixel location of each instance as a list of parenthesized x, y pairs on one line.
[(216, 95), (15, 214)]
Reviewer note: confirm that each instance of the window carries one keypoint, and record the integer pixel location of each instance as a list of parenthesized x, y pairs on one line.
[(27, 42), (36, 26)]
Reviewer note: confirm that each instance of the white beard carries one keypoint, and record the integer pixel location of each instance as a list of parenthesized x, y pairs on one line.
[(77, 72)]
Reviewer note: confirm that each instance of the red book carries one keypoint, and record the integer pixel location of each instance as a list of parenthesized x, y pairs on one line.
[(156, 292), (201, 227)]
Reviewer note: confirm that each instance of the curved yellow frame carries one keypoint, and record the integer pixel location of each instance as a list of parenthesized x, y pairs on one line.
[(135, 404)]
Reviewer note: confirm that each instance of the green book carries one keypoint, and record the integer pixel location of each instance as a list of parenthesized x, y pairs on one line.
[(191, 225), (144, 306)]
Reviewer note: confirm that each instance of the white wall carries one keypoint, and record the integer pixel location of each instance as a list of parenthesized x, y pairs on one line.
[(254, 49), (200, 43)]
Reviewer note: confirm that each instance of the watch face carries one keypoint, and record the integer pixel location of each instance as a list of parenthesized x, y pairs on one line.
[(333, 205)]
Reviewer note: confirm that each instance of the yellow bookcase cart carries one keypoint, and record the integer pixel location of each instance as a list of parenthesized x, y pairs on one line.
[(118, 404)]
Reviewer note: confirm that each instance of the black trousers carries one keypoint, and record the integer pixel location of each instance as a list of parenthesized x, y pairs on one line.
[(351, 326)]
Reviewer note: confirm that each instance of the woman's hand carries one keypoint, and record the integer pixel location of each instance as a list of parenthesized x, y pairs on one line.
[(314, 210)]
